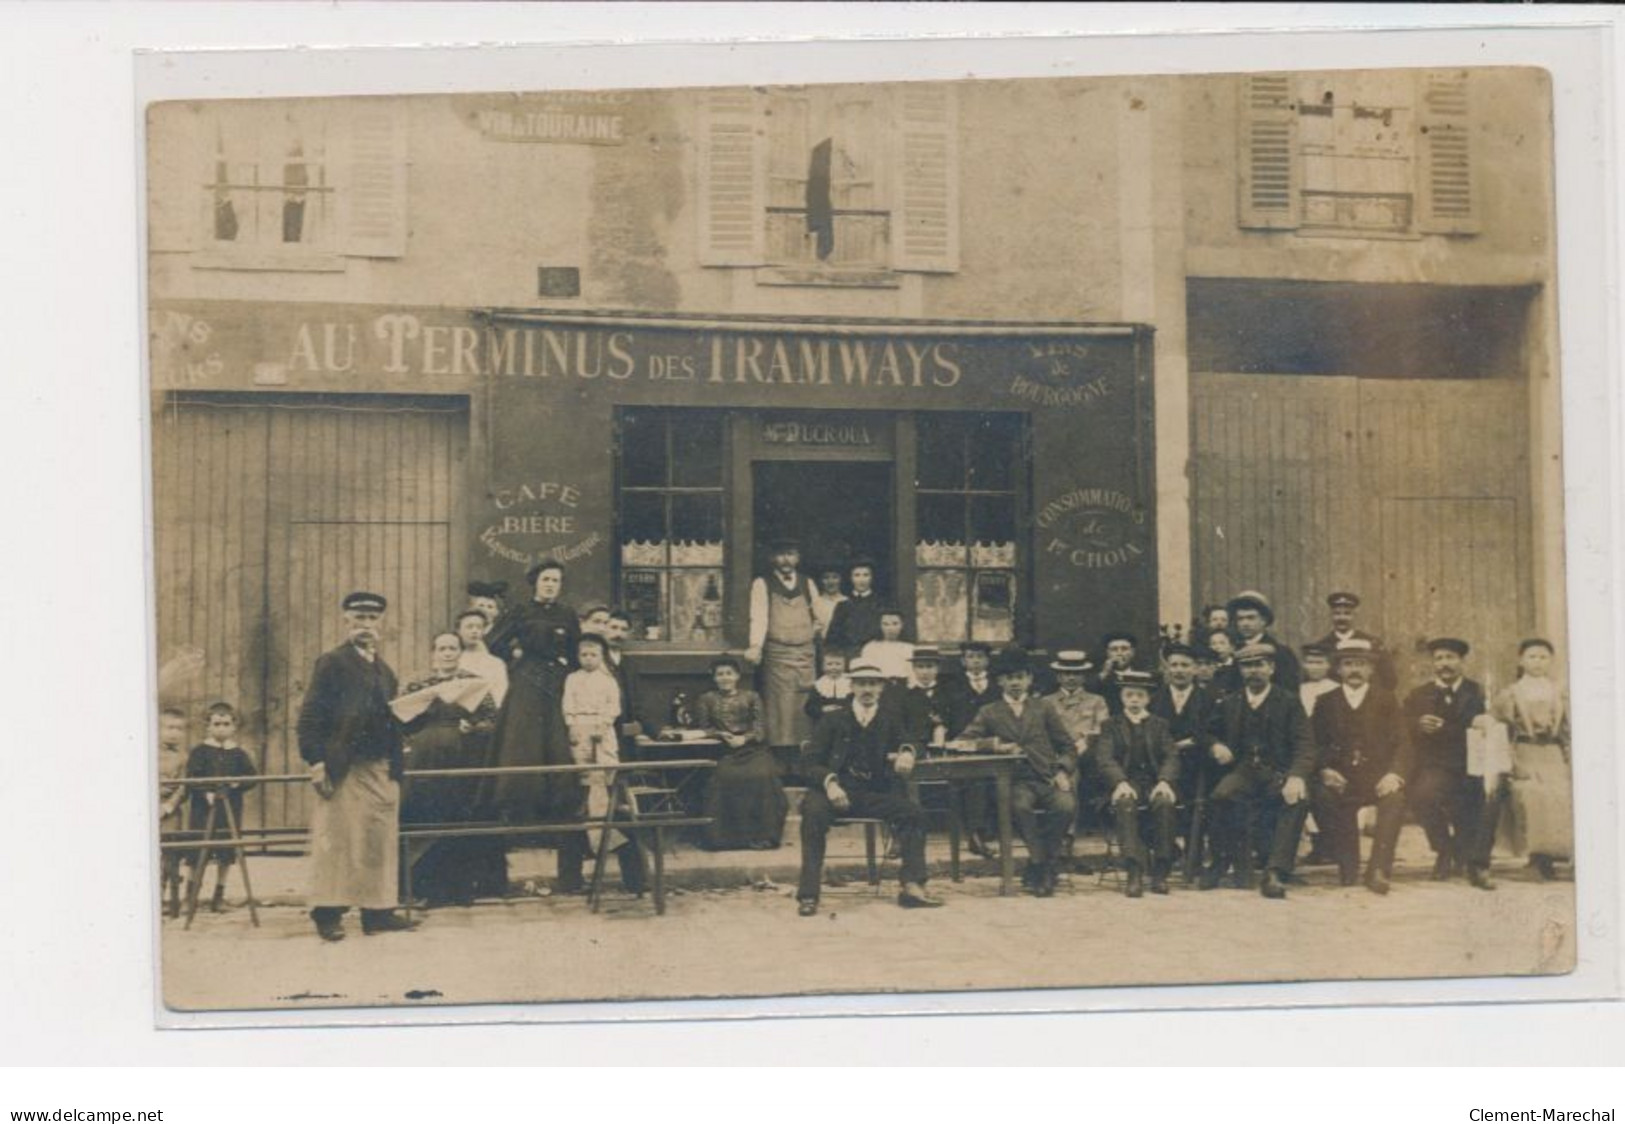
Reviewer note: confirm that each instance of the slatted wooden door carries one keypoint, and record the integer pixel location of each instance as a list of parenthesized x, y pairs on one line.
[(1412, 492), (267, 514)]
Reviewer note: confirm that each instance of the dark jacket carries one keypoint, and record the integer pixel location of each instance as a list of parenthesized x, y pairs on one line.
[(1119, 759), (209, 760), (1193, 722), (1039, 732), (1361, 744), (1286, 746), (854, 754), (1446, 749), (346, 717), (947, 705), (855, 622)]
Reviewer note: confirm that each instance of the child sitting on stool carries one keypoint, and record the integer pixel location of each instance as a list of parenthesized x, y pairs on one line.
[(218, 755)]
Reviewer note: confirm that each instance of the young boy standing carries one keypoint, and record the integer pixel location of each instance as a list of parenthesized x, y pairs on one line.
[(171, 803), (592, 705), (218, 809)]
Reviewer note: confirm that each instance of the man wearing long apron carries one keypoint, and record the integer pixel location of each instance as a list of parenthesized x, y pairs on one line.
[(350, 739), (783, 640)]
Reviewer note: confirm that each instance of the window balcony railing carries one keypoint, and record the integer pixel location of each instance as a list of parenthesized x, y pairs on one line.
[(862, 239)]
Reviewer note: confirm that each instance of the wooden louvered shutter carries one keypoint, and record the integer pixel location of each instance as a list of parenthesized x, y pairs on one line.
[(1447, 199), (372, 182), (733, 211), (176, 169), (1268, 158), (926, 210)]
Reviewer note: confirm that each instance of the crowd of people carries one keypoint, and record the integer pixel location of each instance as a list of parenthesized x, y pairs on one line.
[(1221, 744)]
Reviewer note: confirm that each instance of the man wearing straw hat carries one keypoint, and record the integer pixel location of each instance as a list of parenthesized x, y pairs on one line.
[(350, 739), (1252, 616)]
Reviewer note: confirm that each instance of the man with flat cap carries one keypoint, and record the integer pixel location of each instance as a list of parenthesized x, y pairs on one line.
[(1252, 616), (1262, 744), (1137, 759), (1449, 803), (858, 765), (1047, 783), (783, 641), (1364, 758), (1343, 605), (350, 739)]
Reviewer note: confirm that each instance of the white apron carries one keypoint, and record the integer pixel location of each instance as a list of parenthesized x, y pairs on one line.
[(355, 841)]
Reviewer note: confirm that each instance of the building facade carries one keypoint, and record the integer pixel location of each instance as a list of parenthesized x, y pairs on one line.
[(1041, 349)]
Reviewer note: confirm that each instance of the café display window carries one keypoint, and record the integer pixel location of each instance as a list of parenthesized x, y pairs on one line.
[(670, 503), (966, 555)]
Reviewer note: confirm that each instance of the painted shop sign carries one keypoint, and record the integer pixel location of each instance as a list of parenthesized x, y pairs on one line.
[(841, 431), (294, 345), (557, 118), (535, 520), (1093, 528)]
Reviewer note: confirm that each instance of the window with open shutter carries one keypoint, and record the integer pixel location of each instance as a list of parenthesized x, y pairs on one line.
[(174, 171), (373, 196), (1448, 203), (731, 179), (928, 179), (1377, 153)]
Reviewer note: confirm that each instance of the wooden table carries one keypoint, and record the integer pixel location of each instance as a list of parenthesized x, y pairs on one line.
[(657, 751), (958, 769)]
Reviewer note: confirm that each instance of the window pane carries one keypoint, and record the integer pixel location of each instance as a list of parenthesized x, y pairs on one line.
[(941, 452), (696, 605), (992, 520), (994, 455), (697, 519), (696, 450), (643, 529), (640, 595), (995, 616), (942, 601), (643, 450), (940, 519)]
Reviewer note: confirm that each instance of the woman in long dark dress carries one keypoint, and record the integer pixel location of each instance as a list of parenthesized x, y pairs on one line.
[(449, 736), (745, 798), (538, 641)]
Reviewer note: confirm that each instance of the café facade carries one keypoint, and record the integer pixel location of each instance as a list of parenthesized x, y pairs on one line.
[(409, 343)]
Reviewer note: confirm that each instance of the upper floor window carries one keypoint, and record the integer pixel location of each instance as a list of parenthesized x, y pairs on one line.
[(830, 184), (276, 184), (1372, 153)]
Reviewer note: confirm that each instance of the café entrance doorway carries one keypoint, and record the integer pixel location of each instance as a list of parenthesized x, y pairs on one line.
[(838, 510)]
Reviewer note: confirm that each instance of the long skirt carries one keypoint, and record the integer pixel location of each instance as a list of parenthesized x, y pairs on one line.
[(787, 674), (745, 801), (355, 841), (1542, 804), (531, 731), (451, 869)]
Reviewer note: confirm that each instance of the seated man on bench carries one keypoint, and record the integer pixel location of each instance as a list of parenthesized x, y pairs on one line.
[(856, 767)]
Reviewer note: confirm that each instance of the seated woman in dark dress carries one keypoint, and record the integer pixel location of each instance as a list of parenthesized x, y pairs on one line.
[(745, 798), (447, 735)]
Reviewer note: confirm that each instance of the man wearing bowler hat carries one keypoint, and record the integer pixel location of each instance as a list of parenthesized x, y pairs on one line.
[(783, 641), (1262, 744), (858, 765), (1364, 758), (1252, 616), (350, 739), (1449, 803), (1343, 605), (1047, 783)]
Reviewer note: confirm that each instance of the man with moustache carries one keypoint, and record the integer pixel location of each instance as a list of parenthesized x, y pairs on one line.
[(1450, 804), (1261, 741), (350, 739), (783, 642), (1251, 615), (1342, 606), (1364, 758), (1187, 707)]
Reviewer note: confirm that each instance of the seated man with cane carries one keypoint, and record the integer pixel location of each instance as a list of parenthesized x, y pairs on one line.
[(857, 766)]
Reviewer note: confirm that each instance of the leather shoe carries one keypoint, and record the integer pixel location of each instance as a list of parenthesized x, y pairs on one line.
[(1480, 878), (976, 845), (1032, 877), (1272, 887), (386, 921), (1441, 869), (1210, 879), (1348, 877), (1376, 881), (1159, 881), (1045, 886), (915, 897), (1136, 882), (807, 907), (330, 930)]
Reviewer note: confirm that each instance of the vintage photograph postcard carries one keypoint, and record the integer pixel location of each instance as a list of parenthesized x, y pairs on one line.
[(833, 539)]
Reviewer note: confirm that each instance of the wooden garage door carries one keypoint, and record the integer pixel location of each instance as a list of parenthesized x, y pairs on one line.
[(1412, 492), (314, 498)]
